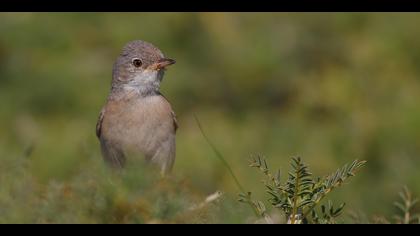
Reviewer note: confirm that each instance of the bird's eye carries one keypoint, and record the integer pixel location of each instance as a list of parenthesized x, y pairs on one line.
[(137, 62)]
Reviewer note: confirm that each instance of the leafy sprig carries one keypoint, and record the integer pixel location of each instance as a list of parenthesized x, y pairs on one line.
[(406, 207), (299, 197)]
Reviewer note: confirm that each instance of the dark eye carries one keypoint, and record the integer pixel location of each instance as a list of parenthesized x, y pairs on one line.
[(137, 62)]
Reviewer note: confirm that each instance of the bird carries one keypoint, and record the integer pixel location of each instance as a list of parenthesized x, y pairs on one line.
[(137, 121)]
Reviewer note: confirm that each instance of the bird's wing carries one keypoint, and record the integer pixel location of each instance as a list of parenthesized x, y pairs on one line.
[(175, 121), (99, 123)]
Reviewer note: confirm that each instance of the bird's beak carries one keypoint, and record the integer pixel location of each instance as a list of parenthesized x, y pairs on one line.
[(163, 63)]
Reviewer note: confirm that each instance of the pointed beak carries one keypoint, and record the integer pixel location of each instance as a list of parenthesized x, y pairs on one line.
[(163, 63)]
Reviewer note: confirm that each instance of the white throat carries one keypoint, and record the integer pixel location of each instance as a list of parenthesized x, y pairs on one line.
[(145, 83)]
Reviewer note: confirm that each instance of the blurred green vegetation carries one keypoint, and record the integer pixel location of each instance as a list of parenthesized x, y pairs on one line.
[(329, 87)]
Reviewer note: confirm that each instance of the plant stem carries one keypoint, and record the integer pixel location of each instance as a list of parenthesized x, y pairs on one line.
[(295, 197), (220, 156)]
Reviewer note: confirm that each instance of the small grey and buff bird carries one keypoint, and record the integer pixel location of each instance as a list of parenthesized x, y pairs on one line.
[(137, 121)]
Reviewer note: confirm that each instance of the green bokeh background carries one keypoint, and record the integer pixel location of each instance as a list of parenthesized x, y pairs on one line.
[(329, 87)]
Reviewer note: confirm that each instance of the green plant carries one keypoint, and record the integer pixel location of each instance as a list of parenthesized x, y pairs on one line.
[(299, 198), (406, 212), (406, 207)]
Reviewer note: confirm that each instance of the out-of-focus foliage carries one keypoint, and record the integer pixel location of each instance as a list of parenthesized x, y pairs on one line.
[(407, 208), (331, 87)]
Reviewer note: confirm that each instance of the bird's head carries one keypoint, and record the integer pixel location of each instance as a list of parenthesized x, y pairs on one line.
[(140, 67)]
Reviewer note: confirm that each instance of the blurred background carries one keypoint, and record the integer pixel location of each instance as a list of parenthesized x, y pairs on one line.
[(329, 87)]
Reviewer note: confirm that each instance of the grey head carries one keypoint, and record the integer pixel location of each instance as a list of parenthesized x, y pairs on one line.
[(140, 67)]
